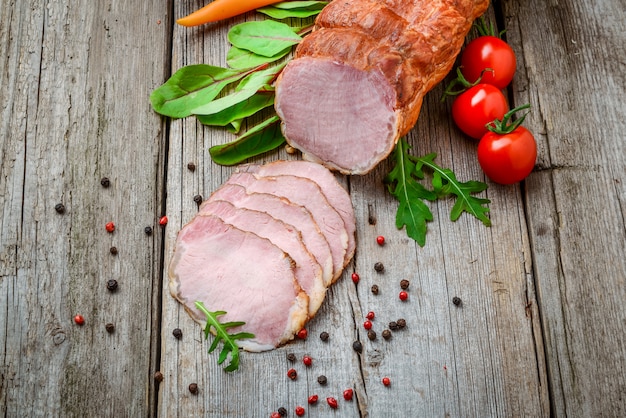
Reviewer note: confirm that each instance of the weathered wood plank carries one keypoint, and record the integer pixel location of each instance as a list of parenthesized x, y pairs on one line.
[(482, 359), (75, 80), (573, 74)]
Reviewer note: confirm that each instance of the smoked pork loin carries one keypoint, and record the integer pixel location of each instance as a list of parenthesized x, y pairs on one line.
[(357, 82), (264, 247)]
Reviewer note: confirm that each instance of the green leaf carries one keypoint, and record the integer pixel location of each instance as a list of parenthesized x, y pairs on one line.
[(267, 38), (445, 184), (241, 59), (221, 334), (247, 88), (234, 114), (402, 182), (264, 137), (297, 9), (190, 87)]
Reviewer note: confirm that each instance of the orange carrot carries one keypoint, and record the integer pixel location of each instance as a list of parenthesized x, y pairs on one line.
[(222, 9)]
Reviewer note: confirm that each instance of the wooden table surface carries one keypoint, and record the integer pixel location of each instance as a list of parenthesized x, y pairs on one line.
[(541, 327)]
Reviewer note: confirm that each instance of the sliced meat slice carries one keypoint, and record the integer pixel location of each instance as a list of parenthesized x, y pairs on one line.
[(286, 211), (305, 193), (336, 195), (285, 236), (241, 273)]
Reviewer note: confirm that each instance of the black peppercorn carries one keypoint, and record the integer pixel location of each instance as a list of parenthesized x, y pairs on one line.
[(456, 300), (404, 284), (105, 182), (191, 167), (282, 411), (113, 250), (322, 380), (324, 336), (110, 328), (112, 285), (158, 376), (371, 334), (60, 208), (386, 334), (148, 230), (193, 388), (393, 325), (357, 346), (379, 267), (375, 289), (401, 323), (198, 199), (291, 357), (177, 333)]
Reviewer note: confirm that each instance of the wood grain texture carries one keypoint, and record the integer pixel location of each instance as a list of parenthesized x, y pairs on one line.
[(74, 109)]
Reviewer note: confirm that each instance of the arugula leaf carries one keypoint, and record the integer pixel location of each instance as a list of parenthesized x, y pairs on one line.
[(263, 137), (221, 334), (297, 9), (403, 183), (266, 37)]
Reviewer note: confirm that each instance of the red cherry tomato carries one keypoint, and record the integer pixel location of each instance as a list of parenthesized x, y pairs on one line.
[(507, 158), (478, 106), (488, 52)]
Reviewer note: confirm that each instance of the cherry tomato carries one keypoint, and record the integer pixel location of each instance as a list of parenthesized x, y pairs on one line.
[(508, 157), (488, 52), (478, 106)]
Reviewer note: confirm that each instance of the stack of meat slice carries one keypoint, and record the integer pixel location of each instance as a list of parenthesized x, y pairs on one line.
[(264, 247)]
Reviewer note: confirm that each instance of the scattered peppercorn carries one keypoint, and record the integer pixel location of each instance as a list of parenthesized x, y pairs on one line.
[(313, 399), (355, 278), (110, 227), (357, 346), (386, 381), (191, 167), (105, 182), (193, 388), (110, 328), (308, 361), (332, 402), (379, 267), (148, 230), (198, 199), (367, 324), (393, 325), (60, 208), (113, 250), (163, 221), (177, 333), (380, 240), (302, 334), (404, 284), (403, 296), (375, 289), (79, 319), (347, 394), (158, 376), (371, 334), (401, 323), (324, 336), (112, 285), (291, 357), (457, 301), (322, 379), (386, 334), (299, 411), (282, 411), (275, 415), (292, 374), (370, 315)]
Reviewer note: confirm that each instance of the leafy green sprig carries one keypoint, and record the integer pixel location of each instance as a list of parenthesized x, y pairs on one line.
[(404, 183), (221, 334), (259, 52)]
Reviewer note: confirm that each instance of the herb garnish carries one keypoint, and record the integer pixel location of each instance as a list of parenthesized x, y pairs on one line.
[(403, 182), (221, 334)]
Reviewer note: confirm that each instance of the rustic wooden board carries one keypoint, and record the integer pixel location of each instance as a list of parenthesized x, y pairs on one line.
[(75, 81), (574, 76)]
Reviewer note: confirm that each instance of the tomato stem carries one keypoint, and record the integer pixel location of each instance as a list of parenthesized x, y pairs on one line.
[(505, 126), (460, 79)]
